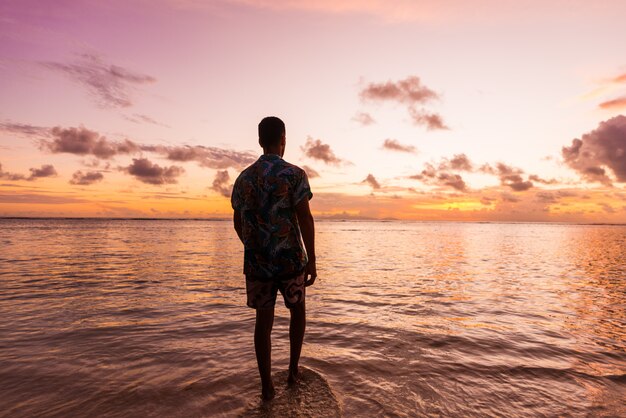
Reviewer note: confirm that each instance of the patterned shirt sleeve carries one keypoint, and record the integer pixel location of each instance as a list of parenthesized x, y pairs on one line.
[(236, 200), (301, 189)]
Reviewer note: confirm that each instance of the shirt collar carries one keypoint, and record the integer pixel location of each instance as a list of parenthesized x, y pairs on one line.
[(269, 157)]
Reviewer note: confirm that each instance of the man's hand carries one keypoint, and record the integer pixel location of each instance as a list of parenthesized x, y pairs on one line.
[(310, 273), (307, 227)]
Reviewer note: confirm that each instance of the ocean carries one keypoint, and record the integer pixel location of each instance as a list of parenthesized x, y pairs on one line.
[(120, 318)]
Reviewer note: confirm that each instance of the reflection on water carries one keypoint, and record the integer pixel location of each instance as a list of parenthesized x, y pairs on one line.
[(148, 318)]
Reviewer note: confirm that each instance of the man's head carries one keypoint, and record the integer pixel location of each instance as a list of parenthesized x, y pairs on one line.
[(272, 134)]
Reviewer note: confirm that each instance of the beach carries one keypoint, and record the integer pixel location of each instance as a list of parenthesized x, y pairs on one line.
[(117, 318)]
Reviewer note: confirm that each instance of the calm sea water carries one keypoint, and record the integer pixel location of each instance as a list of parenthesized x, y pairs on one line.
[(148, 318)]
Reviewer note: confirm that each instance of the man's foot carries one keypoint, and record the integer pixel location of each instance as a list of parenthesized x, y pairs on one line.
[(268, 393), (294, 374)]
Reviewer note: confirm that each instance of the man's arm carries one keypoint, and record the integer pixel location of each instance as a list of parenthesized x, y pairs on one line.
[(307, 227), (237, 223)]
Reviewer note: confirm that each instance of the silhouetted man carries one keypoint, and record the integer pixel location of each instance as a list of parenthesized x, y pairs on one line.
[(271, 203)]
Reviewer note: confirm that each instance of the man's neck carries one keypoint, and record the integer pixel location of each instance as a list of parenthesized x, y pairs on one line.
[(272, 151)]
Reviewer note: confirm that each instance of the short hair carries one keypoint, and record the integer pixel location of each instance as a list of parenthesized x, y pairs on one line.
[(271, 131)]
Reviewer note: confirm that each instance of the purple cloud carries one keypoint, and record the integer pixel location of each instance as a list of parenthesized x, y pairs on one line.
[(220, 183), (319, 151), (147, 172), (364, 118), (509, 176), (395, 145), (10, 176), (45, 171), (310, 172), (82, 141), (371, 180), (410, 92), (109, 84), (600, 152), (209, 157), (85, 179)]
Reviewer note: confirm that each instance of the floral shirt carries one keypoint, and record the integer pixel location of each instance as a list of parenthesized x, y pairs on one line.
[(266, 194)]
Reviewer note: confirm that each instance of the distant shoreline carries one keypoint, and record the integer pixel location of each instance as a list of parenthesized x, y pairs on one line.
[(320, 219)]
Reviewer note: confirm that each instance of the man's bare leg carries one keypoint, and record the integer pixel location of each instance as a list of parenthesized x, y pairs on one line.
[(263, 348), (296, 336)]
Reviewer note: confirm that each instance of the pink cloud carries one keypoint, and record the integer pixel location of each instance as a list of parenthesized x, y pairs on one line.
[(410, 92), (110, 85), (317, 150), (407, 91), (364, 118), (620, 78), (509, 176), (147, 172), (82, 141), (618, 103), (220, 183), (310, 172), (85, 179), (371, 180), (458, 162), (433, 176), (600, 152), (394, 145), (10, 176), (45, 171)]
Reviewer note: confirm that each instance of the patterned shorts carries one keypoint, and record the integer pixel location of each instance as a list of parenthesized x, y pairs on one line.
[(262, 292)]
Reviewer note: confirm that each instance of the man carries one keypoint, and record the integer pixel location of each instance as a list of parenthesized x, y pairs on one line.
[(272, 219)]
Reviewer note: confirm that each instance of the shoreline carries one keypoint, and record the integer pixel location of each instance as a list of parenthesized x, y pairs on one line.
[(320, 219)]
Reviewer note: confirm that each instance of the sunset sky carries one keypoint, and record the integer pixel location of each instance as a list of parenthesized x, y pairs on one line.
[(484, 110)]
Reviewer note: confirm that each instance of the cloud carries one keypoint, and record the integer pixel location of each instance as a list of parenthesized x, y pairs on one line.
[(618, 103), (431, 120), (209, 157), (394, 145), (431, 175), (487, 201), (537, 179), (317, 150), (441, 175), (220, 183), (509, 176), (553, 197), (620, 78), (429, 171), (458, 162), (453, 180), (109, 84), (364, 118), (45, 171), (371, 180), (85, 179), (23, 129), (310, 172), (82, 141), (147, 172), (600, 152), (410, 92), (516, 183), (140, 118), (510, 198), (606, 207), (34, 198), (10, 176)]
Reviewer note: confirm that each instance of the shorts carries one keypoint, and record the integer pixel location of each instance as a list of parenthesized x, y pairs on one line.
[(262, 292)]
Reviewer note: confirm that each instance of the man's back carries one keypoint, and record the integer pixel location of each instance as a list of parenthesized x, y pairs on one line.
[(273, 220), (266, 194)]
